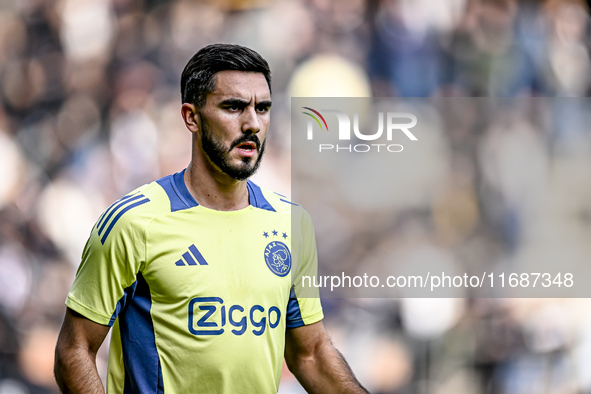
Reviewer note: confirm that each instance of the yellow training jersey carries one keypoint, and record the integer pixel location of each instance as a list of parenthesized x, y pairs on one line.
[(199, 299)]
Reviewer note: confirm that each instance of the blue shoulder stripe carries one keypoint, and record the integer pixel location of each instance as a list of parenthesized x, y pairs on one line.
[(116, 207), (255, 195), (289, 202), (111, 208), (127, 208)]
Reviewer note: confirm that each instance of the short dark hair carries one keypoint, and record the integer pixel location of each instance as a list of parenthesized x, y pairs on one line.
[(198, 78)]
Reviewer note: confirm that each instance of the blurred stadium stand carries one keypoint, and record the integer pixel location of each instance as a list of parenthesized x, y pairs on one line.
[(89, 110)]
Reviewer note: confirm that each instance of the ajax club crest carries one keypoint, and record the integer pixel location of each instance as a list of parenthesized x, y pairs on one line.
[(278, 258)]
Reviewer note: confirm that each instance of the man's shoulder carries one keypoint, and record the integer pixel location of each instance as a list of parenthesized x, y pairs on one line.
[(134, 210), (263, 198)]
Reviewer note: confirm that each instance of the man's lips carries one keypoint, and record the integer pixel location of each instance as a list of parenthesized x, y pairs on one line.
[(246, 142), (247, 145), (247, 148)]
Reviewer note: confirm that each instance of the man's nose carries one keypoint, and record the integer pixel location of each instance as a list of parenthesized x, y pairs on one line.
[(251, 122)]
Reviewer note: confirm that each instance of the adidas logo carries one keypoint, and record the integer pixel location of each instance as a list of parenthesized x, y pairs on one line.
[(190, 257)]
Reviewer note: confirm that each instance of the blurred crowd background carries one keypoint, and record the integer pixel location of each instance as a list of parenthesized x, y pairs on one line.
[(90, 109)]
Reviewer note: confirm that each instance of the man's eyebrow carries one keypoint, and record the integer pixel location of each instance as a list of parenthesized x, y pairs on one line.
[(235, 101), (265, 103)]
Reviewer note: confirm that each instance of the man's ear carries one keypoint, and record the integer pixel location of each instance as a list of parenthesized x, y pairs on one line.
[(191, 117)]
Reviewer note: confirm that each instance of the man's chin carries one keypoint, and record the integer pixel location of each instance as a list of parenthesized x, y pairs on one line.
[(239, 170), (244, 170)]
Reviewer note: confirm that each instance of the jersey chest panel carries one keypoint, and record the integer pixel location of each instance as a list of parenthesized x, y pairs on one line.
[(214, 273)]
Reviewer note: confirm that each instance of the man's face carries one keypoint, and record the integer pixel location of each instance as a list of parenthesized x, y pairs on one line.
[(234, 122)]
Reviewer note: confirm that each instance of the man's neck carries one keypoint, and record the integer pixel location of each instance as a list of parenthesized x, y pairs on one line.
[(216, 191)]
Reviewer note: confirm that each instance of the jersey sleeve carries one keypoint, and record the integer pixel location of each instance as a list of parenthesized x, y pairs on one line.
[(112, 258), (304, 305)]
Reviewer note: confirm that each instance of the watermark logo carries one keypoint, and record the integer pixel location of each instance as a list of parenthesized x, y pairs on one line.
[(395, 122), (316, 119)]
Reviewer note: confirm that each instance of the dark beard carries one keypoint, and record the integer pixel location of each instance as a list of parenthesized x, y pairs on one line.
[(219, 155)]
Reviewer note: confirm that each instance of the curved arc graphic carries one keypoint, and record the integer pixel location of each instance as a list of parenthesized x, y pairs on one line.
[(313, 117), (318, 113)]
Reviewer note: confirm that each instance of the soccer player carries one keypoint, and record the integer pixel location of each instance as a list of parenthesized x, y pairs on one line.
[(197, 272)]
